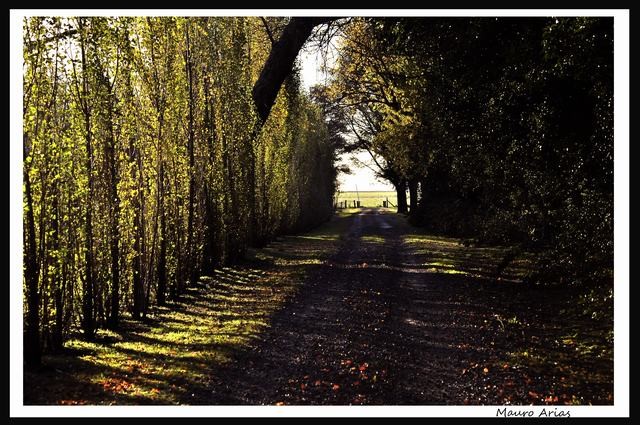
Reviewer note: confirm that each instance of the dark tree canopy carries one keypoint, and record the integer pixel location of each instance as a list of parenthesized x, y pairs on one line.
[(500, 127)]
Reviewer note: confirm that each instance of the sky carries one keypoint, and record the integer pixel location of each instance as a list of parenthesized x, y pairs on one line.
[(361, 177)]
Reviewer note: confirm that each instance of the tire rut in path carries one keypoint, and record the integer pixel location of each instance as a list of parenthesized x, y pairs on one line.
[(332, 343)]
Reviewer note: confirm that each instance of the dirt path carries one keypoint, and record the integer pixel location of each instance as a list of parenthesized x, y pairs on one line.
[(363, 310), (332, 343), (372, 325)]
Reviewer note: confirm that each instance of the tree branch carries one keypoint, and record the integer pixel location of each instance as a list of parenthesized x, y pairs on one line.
[(268, 30), (280, 61), (63, 34)]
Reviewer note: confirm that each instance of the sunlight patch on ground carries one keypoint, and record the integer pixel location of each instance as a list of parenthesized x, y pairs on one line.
[(432, 240), (149, 363), (346, 212), (451, 256), (372, 239), (176, 348), (319, 238)]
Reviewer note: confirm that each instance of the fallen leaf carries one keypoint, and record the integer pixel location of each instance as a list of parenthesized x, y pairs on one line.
[(72, 402), (359, 399), (505, 366), (116, 385), (364, 366), (280, 403), (335, 387)]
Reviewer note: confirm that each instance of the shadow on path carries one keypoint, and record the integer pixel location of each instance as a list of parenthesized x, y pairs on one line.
[(372, 326)]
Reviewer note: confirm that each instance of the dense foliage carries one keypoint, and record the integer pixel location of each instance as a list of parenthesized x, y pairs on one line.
[(145, 166), (501, 129)]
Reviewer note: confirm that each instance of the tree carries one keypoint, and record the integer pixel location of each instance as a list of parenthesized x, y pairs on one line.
[(136, 179), (85, 102), (280, 62), (486, 134)]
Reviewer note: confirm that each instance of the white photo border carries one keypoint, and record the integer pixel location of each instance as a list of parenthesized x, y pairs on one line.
[(621, 230)]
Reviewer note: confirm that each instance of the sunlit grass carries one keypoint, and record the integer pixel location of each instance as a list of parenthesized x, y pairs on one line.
[(451, 256), (153, 363), (372, 239), (318, 238), (156, 361), (147, 361), (346, 212), (368, 199), (432, 240)]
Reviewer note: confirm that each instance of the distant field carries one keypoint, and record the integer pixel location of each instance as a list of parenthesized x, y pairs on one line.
[(367, 199)]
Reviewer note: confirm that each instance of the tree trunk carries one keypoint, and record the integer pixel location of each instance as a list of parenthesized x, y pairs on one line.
[(413, 197), (138, 290), (253, 213), (138, 223), (175, 289), (32, 328), (209, 256), (230, 206), (114, 317), (418, 216), (56, 335), (162, 261), (88, 322), (264, 217), (401, 190), (191, 266), (280, 62), (211, 253)]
